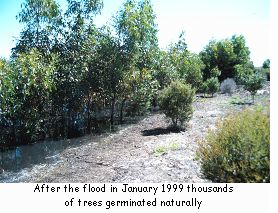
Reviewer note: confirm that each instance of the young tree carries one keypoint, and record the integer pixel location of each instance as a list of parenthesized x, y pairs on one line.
[(136, 28), (187, 66), (26, 87), (211, 86), (266, 68), (266, 64), (175, 101), (253, 83)]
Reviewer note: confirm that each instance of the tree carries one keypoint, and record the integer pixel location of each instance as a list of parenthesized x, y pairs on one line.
[(41, 19), (225, 54), (266, 64), (184, 65), (175, 101), (253, 83), (110, 64), (26, 87), (242, 71), (77, 82), (241, 51), (266, 68), (191, 70), (164, 72), (211, 86), (136, 28)]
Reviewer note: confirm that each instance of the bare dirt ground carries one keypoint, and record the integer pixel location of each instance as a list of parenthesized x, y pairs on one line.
[(146, 151)]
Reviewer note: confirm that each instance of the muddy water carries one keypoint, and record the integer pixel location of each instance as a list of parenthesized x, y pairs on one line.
[(16, 162)]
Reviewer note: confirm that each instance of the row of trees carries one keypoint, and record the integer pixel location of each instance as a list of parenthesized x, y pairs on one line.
[(66, 76)]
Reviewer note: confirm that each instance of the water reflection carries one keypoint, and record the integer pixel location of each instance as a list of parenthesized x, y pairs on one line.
[(47, 152)]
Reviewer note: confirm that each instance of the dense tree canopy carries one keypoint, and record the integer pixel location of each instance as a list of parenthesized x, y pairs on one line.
[(225, 55), (67, 77)]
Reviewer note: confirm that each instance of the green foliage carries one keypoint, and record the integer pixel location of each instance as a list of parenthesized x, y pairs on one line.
[(42, 19), (175, 101), (266, 64), (165, 72), (26, 88), (239, 150), (144, 88), (225, 54), (215, 72), (211, 86), (160, 150), (266, 69), (136, 27), (184, 65), (137, 31), (237, 100), (243, 71), (253, 83), (191, 70)]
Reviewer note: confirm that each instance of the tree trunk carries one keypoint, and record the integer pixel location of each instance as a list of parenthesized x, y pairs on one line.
[(89, 115), (112, 110), (121, 110)]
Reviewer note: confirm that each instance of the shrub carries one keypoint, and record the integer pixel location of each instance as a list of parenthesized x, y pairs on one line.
[(211, 85), (238, 151), (228, 86), (175, 101), (266, 72), (242, 71), (253, 83)]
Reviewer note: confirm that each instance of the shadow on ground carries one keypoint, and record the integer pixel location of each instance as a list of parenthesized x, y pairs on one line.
[(161, 131)]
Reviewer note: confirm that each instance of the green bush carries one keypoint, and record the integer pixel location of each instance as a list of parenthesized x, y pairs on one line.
[(211, 86), (238, 151), (175, 101), (253, 83)]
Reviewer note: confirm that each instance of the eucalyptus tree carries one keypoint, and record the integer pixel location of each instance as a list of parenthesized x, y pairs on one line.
[(137, 31), (76, 50), (41, 19), (225, 55), (25, 96), (187, 66)]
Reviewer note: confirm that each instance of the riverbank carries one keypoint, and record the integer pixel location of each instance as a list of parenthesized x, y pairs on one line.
[(147, 151)]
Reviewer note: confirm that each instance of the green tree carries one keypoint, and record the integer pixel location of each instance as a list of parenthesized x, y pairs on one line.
[(136, 28), (253, 83), (175, 101), (41, 19), (191, 70), (241, 51), (110, 64), (211, 86), (77, 82), (242, 71), (225, 54), (26, 87), (266, 68), (165, 72), (266, 64), (185, 66)]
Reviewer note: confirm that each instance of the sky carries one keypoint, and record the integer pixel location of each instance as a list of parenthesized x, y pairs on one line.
[(201, 20)]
